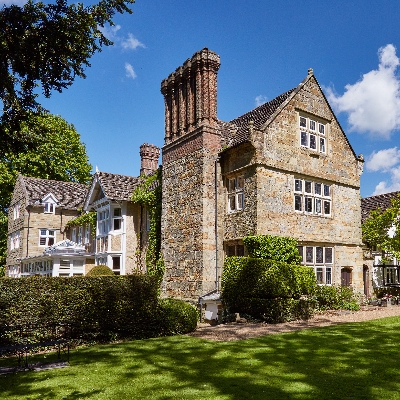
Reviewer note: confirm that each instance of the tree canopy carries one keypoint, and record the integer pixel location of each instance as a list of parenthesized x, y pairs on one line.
[(381, 230), (60, 155), (45, 46)]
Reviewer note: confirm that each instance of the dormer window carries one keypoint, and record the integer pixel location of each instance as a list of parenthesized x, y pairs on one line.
[(49, 204)]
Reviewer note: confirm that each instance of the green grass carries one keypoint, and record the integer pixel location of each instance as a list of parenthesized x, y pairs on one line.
[(349, 361)]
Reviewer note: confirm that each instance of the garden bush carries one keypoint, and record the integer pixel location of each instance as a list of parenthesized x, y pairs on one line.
[(100, 270), (176, 317), (258, 287), (335, 298)]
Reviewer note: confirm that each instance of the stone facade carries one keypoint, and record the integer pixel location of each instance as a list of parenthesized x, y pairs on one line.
[(223, 181)]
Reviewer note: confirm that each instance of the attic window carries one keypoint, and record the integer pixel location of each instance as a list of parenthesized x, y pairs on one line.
[(311, 137), (49, 208)]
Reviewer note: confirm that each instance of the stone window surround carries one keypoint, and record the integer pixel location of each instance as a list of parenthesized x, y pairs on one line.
[(234, 248), (313, 133), (16, 210), (235, 190), (318, 258), (308, 201), (15, 240)]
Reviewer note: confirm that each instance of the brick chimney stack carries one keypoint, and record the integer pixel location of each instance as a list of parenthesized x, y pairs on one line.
[(190, 95), (149, 155)]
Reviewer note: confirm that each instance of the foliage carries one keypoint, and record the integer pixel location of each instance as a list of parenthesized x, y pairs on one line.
[(88, 219), (100, 270), (381, 230), (48, 46), (247, 284), (59, 156), (100, 307), (276, 248), (149, 194), (176, 317), (336, 298)]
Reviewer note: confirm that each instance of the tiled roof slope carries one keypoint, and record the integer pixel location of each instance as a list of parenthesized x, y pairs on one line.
[(117, 187), (69, 194), (382, 201), (236, 131)]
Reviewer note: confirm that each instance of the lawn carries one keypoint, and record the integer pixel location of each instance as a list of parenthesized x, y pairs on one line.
[(349, 361)]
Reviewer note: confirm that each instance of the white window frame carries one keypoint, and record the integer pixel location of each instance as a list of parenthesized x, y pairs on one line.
[(312, 134), (103, 221), (71, 267), (117, 218), (16, 210), (80, 235), (87, 234), (323, 267), (15, 240), (235, 193), (311, 201), (73, 235), (46, 234)]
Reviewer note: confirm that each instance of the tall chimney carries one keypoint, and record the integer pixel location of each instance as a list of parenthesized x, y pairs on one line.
[(149, 155), (190, 95)]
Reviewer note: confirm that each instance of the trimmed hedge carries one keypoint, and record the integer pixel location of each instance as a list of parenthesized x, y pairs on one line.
[(100, 270), (267, 289), (270, 247), (176, 317), (100, 307)]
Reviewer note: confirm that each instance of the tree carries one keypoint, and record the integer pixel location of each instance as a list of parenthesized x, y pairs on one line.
[(60, 155), (47, 46), (381, 230)]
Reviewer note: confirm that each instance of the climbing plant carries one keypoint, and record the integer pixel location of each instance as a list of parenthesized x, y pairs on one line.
[(149, 194), (89, 218)]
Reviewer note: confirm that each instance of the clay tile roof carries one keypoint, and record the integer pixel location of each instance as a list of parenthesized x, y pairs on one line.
[(117, 187), (382, 201), (69, 194), (236, 131)]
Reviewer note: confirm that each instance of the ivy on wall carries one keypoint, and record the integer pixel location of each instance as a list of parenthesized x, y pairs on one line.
[(89, 218), (149, 194)]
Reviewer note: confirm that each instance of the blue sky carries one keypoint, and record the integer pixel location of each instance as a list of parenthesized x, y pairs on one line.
[(266, 48)]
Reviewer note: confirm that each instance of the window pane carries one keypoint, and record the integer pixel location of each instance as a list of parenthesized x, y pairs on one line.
[(318, 209), (308, 187), (240, 201), (232, 185), (117, 212), (232, 202), (298, 185), (322, 145), (116, 262), (309, 254), (319, 255), (300, 249), (303, 122), (317, 188), (328, 276), (240, 182), (327, 207), (51, 233), (327, 190), (42, 241), (117, 224), (43, 232), (308, 204), (304, 139), (51, 241), (312, 125), (328, 255), (240, 250), (320, 275), (313, 142), (230, 251), (297, 203), (322, 129)]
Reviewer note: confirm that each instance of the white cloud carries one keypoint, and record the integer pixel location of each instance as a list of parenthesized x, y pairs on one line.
[(383, 160), (131, 43), (130, 73), (373, 103), (383, 187), (260, 100), (110, 32)]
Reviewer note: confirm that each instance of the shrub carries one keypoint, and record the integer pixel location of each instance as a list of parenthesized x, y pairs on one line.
[(335, 298), (276, 248), (253, 286), (100, 270), (176, 317), (100, 307)]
